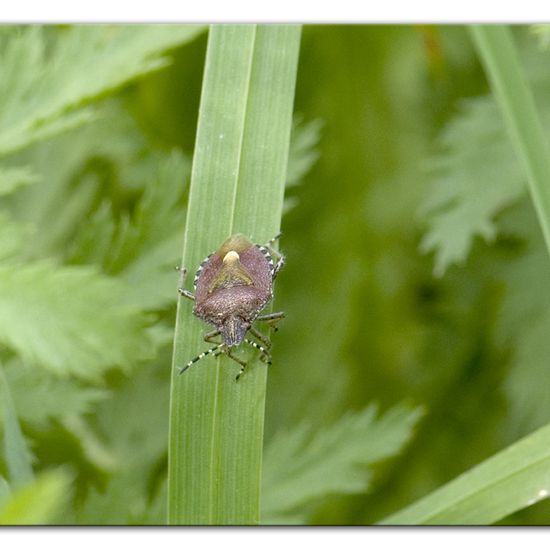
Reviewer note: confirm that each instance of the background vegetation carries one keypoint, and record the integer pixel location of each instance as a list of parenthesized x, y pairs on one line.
[(416, 287)]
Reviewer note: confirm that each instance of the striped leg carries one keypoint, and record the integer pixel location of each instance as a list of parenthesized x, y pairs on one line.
[(225, 351), (261, 337), (237, 360), (265, 356), (271, 253), (278, 266), (265, 353), (199, 357)]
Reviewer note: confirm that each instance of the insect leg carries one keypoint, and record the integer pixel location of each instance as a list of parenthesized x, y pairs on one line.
[(273, 240), (208, 337), (261, 337), (278, 266), (272, 318), (274, 253), (181, 290), (265, 353), (237, 360), (199, 357), (186, 293), (276, 316)]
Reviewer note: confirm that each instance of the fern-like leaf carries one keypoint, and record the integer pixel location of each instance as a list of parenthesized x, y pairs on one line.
[(300, 468), (39, 396), (46, 75), (68, 319), (475, 176)]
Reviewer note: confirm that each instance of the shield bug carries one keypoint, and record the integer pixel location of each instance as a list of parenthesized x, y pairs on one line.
[(231, 288)]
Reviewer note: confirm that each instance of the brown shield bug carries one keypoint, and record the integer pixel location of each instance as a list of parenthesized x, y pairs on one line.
[(231, 288)]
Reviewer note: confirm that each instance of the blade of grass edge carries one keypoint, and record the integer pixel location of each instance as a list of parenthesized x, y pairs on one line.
[(512, 479), (237, 185), (499, 56)]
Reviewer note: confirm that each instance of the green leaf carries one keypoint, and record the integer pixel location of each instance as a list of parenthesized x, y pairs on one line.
[(150, 246), (43, 79), (237, 185), (543, 33), (528, 399), (513, 479), (156, 511), (496, 47), (475, 186), (39, 396), (5, 491), (474, 177), (12, 178), (523, 322), (13, 236), (476, 173), (301, 468), (142, 247), (137, 434), (137, 240), (68, 319), (303, 153), (16, 452), (137, 438), (98, 167), (38, 503), (498, 53)]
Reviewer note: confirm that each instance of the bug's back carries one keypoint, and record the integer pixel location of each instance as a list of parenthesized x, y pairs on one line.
[(235, 282)]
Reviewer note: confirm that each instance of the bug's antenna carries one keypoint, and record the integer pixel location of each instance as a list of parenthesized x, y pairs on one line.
[(199, 357)]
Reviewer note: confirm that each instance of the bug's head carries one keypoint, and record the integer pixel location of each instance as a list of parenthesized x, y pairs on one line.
[(233, 329)]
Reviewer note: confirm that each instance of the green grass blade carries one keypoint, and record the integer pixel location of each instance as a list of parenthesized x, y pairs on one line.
[(498, 53), (237, 185), (513, 479)]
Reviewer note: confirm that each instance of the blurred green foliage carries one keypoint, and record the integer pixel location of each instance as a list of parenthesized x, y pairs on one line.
[(416, 272)]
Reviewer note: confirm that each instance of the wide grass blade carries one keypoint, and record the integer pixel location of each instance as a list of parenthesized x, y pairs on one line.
[(498, 53), (237, 185), (513, 479)]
